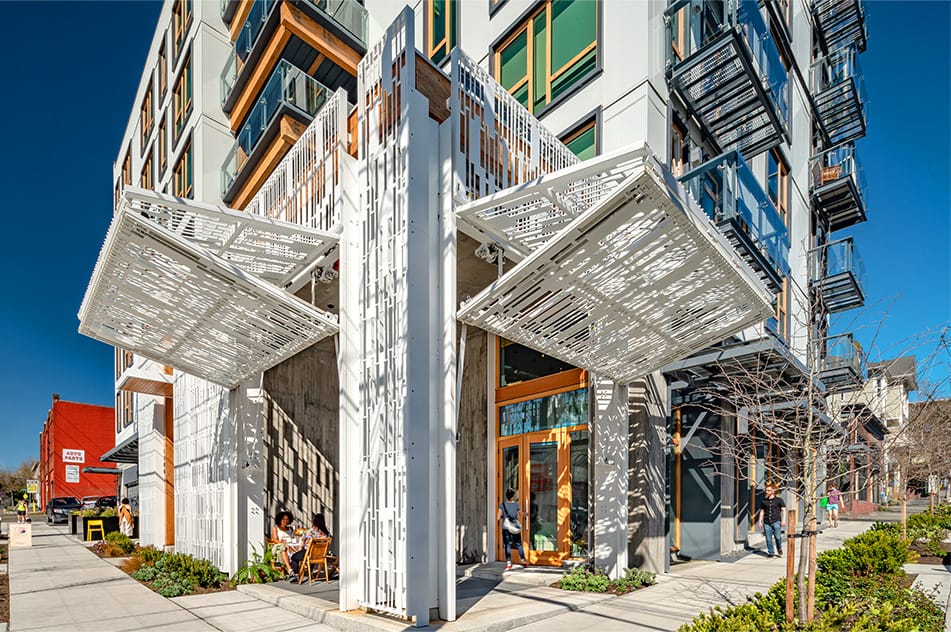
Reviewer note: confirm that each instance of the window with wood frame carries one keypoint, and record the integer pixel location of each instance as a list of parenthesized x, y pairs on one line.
[(145, 118), (181, 20), (124, 408), (127, 167), (777, 184), (679, 149), (679, 22), (583, 139), (162, 71), (441, 37), (146, 181), (115, 197), (182, 97), (162, 143), (123, 361), (550, 52), (781, 312), (183, 177)]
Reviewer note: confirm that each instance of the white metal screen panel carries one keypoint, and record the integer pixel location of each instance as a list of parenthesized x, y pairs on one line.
[(157, 294), (636, 281), (497, 143)]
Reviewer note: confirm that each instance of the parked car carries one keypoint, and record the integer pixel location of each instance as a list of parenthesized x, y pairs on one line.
[(106, 501), (89, 502), (58, 509)]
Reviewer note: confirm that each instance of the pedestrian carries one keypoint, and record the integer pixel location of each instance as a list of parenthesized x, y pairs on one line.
[(126, 519), (509, 513), (835, 498), (771, 518), (21, 510)]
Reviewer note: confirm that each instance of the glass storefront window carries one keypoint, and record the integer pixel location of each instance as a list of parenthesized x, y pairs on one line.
[(553, 411), (579, 493), (519, 363), (543, 508)]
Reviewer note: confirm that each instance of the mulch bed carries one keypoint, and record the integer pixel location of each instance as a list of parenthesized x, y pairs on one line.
[(928, 558)]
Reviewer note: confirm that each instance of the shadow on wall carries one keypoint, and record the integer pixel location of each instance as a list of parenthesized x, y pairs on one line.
[(646, 477), (471, 449)]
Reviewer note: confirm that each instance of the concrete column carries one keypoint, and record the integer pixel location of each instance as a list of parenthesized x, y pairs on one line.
[(247, 404), (647, 439), (610, 455)]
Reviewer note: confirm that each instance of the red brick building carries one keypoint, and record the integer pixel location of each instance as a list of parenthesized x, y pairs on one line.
[(73, 437)]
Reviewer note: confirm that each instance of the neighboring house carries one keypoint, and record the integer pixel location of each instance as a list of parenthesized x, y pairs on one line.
[(377, 338)]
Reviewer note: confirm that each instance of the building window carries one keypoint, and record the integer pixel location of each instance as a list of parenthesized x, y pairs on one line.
[(550, 52), (127, 168), (182, 181), (678, 33), (679, 149), (181, 20), (583, 140), (162, 146), (115, 197), (145, 118), (441, 18), (123, 361), (124, 407), (782, 311), (777, 184), (183, 99), (146, 182), (162, 71)]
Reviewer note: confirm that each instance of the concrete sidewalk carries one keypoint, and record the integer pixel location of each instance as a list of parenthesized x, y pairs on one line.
[(58, 584)]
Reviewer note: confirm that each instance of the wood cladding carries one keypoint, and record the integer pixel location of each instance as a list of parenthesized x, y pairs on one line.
[(290, 130), (471, 450), (435, 86)]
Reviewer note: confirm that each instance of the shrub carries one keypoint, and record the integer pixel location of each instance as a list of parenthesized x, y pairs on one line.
[(131, 565), (582, 579), (633, 579), (258, 569), (196, 571), (121, 540), (746, 617), (148, 554), (877, 553), (106, 513)]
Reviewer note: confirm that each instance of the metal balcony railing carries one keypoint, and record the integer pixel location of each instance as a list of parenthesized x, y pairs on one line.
[(724, 63), (838, 87), (840, 23), (841, 361), (836, 185), (289, 90), (837, 274), (253, 25), (729, 194)]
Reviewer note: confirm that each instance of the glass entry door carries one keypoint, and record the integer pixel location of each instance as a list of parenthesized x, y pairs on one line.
[(549, 472)]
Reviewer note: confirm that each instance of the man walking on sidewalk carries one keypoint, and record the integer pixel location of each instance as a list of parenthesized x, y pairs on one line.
[(771, 519)]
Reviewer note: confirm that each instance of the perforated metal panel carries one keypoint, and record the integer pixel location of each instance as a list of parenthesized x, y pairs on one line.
[(636, 280), (157, 293)]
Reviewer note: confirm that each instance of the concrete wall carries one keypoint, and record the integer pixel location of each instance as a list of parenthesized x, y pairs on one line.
[(647, 531), (471, 466)]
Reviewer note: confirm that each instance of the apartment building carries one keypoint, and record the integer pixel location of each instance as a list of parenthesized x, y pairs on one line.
[(488, 246)]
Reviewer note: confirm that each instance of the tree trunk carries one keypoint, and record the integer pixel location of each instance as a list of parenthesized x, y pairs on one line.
[(811, 602)]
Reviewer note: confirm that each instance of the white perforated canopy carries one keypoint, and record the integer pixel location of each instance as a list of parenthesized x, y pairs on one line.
[(622, 274), (173, 283)]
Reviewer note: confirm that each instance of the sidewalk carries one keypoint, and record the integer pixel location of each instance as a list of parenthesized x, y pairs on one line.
[(58, 584)]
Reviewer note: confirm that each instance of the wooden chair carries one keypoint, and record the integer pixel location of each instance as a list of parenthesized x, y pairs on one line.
[(277, 563), (315, 555)]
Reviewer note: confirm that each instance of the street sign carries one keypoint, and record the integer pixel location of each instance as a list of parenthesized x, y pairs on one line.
[(32, 486)]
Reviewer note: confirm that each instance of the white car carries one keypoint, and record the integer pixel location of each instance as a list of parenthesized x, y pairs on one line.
[(89, 502)]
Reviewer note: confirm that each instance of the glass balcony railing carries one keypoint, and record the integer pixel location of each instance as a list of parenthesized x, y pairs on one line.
[(730, 195), (838, 182), (838, 87), (842, 358), (248, 37), (840, 23), (837, 272), (229, 75), (289, 89), (349, 14), (724, 62)]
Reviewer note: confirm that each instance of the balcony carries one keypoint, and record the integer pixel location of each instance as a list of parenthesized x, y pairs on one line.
[(729, 194), (725, 66), (227, 8), (840, 23), (837, 185), (841, 362), (837, 274), (838, 89), (346, 20), (289, 91)]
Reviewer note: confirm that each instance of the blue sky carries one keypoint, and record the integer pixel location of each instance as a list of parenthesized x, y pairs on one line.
[(68, 96)]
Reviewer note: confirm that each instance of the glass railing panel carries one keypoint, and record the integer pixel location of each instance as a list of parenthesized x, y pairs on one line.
[(349, 14), (229, 75), (726, 189), (260, 12), (838, 257), (837, 67), (765, 53), (842, 351), (836, 164)]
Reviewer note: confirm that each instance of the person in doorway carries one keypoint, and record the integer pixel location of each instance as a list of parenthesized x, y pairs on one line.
[(126, 520), (771, 518), (508, 516), (835, 498), (21, 510)]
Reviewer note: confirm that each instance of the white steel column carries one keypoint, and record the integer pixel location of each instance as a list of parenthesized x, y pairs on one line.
[(247, 404), (610, 434)]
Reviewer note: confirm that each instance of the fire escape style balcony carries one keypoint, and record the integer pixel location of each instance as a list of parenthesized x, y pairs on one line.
[(837, 275), (289, 91), (347, 17), (725, 66), (840, 23), (729, 194), (839, 91), (841, 365), (837, 185)]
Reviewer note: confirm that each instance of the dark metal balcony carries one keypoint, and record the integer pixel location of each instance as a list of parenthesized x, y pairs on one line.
[(838, 89), (837, 185), (289, 91), (837, 274), (840, 365), (840, 23), (729, 194), (725, 66)]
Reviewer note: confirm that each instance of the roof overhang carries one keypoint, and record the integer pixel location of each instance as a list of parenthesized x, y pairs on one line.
[(125, 452), (187, 285), (146, 382), (622, 275)]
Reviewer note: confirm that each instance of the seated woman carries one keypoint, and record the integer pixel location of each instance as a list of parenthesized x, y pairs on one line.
[(286, 542), (318, 529)]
